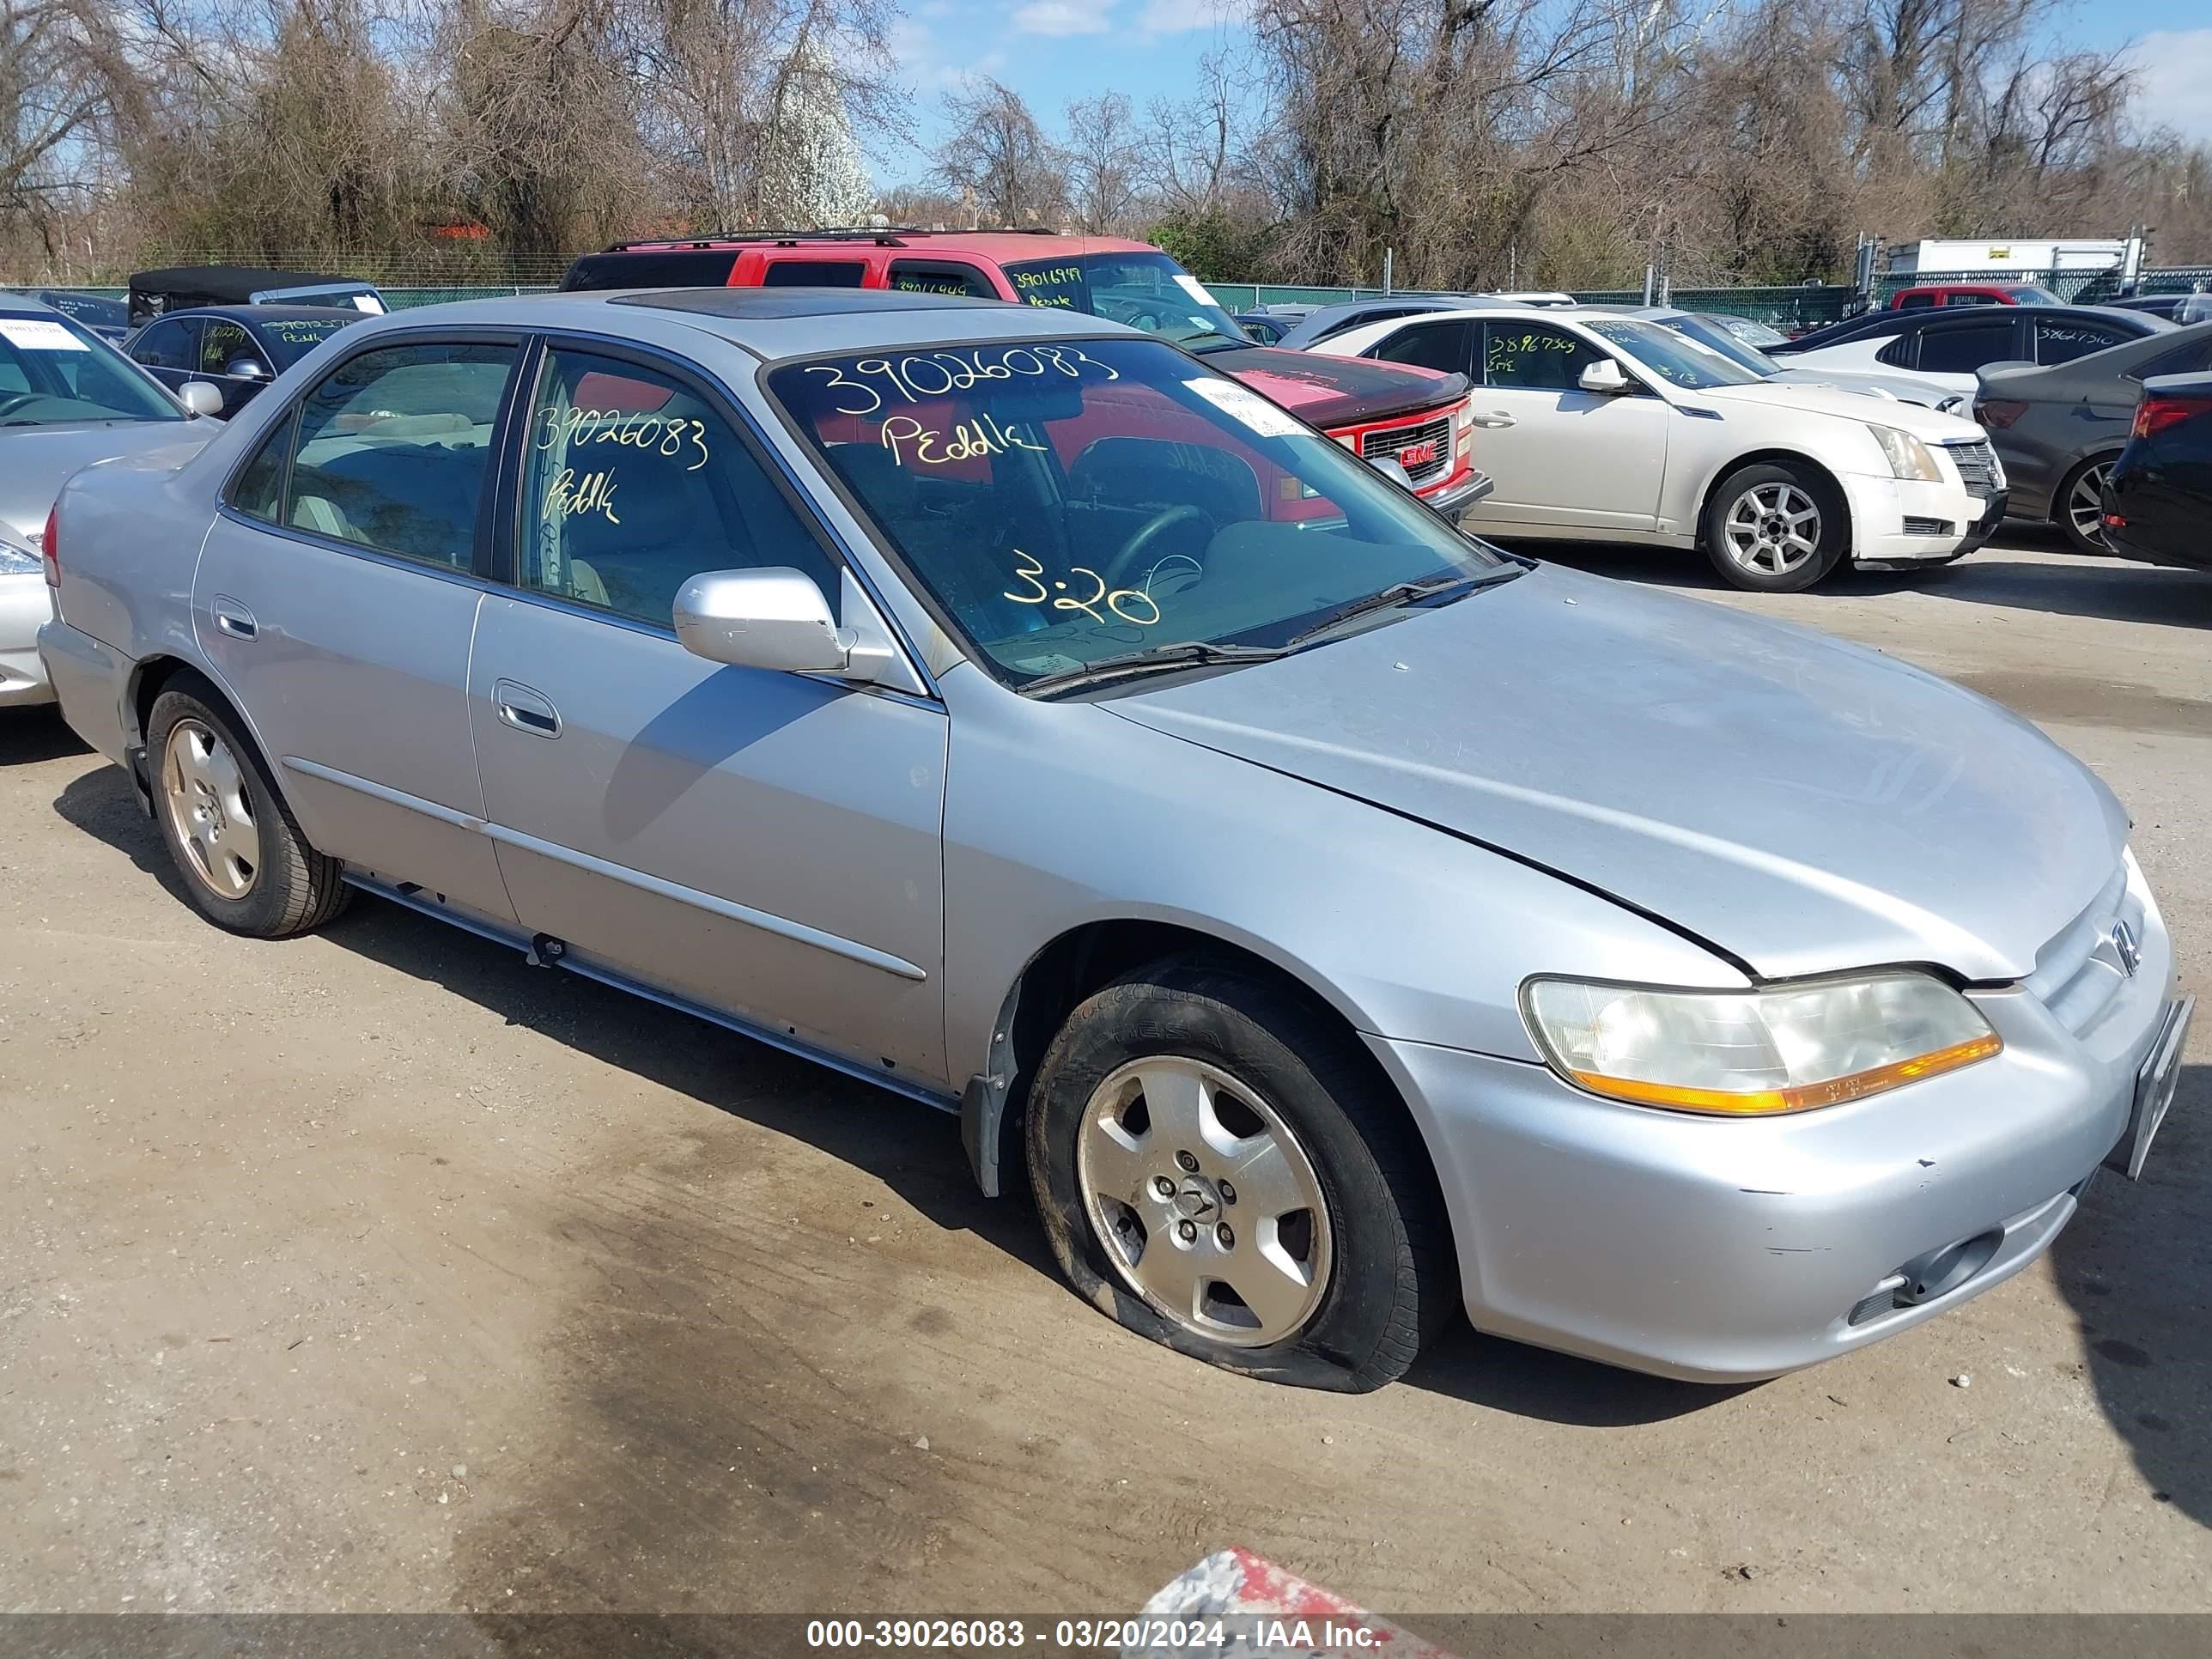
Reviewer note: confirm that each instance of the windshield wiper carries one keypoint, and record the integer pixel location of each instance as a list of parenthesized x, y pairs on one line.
[(1133, 665), (1435, 591), (1204, 344)]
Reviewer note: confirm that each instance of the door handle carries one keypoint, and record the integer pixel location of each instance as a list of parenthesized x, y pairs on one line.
[(233, 618), (526, 710), (1493, 418)]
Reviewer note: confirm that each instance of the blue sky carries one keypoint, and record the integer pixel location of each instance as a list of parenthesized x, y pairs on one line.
[(1052, 51)]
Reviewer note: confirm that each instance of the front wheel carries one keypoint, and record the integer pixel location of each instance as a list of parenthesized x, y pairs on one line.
[(1221, 1176), (1775, 527), (2081, 512)]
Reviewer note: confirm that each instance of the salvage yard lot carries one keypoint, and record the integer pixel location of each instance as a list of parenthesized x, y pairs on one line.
[(379, 1270)]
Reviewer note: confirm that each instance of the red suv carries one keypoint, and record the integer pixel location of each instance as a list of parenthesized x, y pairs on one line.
[(1414, 416)]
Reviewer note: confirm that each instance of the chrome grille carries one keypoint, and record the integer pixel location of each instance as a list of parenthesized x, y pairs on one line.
[(1393, 440), (2079, 971), (1977, 467)]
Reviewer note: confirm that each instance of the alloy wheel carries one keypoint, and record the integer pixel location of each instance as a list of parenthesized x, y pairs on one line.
[(1207, 1206), (203, 794), (1772, 529), (2084, 505)]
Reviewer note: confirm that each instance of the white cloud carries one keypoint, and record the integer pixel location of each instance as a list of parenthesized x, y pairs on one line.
[(1061, 17), (1180, 16), (923, 65), (2174, 81)]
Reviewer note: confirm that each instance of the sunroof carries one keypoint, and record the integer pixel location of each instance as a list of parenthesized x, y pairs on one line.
[(794, 301)]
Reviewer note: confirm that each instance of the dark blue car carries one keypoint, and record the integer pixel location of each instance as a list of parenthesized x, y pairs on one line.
[(237, 350)]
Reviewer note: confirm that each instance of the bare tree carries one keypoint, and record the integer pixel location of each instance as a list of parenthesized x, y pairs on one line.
[(1103, 158), (997, 160)]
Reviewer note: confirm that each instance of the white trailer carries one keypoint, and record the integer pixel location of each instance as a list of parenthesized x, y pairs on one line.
[(2014, 256)]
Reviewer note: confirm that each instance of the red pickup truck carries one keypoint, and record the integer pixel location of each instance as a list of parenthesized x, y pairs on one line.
[(1414, 416), (1972, 294)]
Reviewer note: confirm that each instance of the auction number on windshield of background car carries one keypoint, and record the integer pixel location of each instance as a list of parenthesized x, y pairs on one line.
[(940, 373)]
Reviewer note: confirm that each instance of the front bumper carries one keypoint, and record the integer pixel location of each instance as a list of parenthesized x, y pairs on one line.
[(1721, 1251), (1898, 524), (24, 607), (1455, 497)]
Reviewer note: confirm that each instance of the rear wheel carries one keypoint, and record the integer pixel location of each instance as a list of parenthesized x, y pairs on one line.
[(2080, 511), (1221, 1175), (244, 864), (1775, 527)]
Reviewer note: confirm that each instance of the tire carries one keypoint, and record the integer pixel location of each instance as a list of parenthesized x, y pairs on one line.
[(1280, 1103), (2086, 480), (244, 863), (1746, 544)]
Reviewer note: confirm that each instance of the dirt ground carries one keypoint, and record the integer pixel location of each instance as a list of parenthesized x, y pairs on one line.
[(378, 1270)]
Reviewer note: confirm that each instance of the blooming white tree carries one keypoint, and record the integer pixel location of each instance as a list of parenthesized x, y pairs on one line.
[(811, 170)]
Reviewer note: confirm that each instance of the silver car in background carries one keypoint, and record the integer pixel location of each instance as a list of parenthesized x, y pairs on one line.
[(68, 399), (1342, 921)]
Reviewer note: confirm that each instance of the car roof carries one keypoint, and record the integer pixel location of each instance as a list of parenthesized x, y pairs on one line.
[(25, 305), (242, 280), (772, 323), (1002, 246), (269, 313)]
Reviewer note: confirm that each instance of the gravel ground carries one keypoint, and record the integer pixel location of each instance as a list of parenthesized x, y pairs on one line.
[(379, 1270)]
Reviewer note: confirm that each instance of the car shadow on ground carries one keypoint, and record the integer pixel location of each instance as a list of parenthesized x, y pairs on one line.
[(914, 1151), (2137, 1268), (2117, 589), (36, 734)]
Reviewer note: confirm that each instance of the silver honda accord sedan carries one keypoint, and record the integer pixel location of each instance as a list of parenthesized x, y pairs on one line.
[(1339, 919)]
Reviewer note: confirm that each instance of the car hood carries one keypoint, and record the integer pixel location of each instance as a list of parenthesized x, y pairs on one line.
[(1332, 392), (36, 461), (1802, 805), (1807, 397), (1907, 388)]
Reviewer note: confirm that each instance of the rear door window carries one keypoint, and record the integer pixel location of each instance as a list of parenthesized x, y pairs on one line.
[(814, 273), (1970, 299), (2057, 341), (1962, 349), (1446, 346), (391, 450), (1914, 301), (939, 276), (169, 345)]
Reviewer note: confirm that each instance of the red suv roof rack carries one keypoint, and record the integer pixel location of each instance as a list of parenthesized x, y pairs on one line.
[(881, 235)]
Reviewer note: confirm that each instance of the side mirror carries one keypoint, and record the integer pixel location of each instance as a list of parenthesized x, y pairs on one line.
[(777, 619), (1391, 468), (1605, 376), (245, 369), (199, 397)]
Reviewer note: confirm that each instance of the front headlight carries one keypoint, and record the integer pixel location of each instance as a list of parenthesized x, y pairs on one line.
[(1908, 457), (1789, 1048)]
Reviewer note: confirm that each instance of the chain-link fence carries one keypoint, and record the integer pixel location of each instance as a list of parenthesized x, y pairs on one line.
[(407, 282)]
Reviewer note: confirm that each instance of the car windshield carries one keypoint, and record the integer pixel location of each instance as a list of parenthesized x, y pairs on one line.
[(344, 296), (290, 338), (54, 371), (1711, 334), (1675, 358), (1145, 291), (1069, 502), (1758, 335)]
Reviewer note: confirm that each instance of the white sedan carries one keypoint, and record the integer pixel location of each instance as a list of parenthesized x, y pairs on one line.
[(1605, 428), (23, 606)]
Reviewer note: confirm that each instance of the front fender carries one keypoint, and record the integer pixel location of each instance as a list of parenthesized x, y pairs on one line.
[(1059, 816)]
